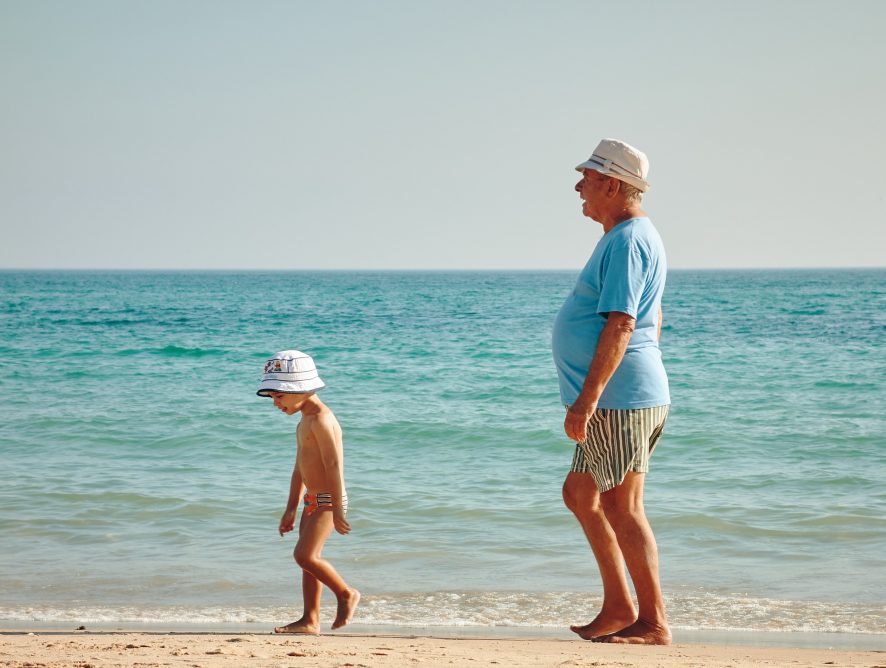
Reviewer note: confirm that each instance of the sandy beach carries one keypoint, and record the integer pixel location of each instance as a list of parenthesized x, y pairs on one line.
[(203, 650)]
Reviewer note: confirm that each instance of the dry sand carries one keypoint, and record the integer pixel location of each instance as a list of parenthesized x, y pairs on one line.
[(203, 650)]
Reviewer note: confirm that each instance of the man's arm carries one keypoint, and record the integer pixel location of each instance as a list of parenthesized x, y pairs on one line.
[(610, 350), (660, 320), (323, 430)]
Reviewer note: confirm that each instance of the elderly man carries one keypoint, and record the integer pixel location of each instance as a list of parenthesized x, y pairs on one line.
[(613, 383)]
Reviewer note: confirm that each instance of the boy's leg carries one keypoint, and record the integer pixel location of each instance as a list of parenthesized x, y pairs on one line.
[(308, 551), (311, 590)]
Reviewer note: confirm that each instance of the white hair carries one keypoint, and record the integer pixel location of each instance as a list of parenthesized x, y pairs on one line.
[(631, 193)]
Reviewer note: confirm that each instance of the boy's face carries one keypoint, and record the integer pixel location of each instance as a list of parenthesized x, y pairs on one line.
[(289, 403)]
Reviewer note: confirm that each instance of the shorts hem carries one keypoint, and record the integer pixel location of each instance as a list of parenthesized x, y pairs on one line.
[(619, 441)]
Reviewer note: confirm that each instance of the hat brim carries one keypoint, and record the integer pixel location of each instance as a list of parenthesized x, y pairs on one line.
[(635, 181), (592, 164), (271, 386)]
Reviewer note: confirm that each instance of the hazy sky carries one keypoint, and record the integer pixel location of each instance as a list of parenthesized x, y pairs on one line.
[(435, 133)]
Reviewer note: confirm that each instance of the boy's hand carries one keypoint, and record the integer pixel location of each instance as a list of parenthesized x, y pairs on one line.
[(339, 521), (287, 522)]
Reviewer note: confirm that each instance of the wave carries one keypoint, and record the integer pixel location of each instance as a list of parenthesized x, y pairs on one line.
[(179, 351), (172, 351), (516, 609)]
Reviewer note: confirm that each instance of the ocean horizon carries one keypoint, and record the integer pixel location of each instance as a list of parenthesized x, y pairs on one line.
[(405, 270), (144, 479)]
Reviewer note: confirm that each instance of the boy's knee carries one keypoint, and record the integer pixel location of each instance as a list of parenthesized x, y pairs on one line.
[(303, 558)]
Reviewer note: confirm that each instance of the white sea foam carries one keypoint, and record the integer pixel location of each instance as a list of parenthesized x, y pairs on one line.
[(541, 610)]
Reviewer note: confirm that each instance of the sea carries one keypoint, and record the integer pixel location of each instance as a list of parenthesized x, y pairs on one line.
[(142, 479)]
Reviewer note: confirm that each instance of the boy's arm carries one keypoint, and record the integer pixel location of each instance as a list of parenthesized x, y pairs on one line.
[(324, 432), (296, 489)]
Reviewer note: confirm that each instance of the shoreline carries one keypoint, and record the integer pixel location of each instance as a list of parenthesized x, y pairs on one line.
[(242, 650), (865, 642)]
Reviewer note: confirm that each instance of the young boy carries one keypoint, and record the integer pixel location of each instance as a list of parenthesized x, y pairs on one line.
[(290, 378)]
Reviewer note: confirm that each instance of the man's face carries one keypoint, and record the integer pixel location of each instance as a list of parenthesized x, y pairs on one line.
[(288, 403), (591, 188)]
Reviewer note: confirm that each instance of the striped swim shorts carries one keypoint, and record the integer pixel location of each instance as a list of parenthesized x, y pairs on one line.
[(619, 441), (315, 502)]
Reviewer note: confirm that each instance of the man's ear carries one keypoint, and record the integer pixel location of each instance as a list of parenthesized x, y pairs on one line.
[(613, 187)]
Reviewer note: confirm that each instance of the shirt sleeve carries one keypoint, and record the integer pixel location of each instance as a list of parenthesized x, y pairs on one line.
[(623, 280)]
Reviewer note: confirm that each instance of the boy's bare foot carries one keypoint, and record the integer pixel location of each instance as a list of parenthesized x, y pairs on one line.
[(301, 626), (603, 625), (347, 603), (640, 633)]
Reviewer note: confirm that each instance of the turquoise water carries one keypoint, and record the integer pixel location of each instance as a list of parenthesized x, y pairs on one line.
[(143, 479)]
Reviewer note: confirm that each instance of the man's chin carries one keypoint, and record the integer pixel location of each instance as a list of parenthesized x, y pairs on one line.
[(587, 214)]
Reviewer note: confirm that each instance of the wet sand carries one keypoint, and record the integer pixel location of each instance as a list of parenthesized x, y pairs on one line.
[(209, 650)]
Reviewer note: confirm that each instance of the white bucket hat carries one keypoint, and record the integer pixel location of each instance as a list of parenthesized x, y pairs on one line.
[(620, 161), (292, 372)]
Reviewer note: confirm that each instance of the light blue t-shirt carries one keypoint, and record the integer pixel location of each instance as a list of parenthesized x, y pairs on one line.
[(626, 273)]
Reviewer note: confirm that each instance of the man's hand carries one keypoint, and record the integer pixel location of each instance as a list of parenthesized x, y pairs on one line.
[(577, 418), (339, 522), (287, 522)]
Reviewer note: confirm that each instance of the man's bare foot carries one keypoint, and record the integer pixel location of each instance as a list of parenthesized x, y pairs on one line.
[(640, 633), (347, 603), (604, 624), (301, 626)]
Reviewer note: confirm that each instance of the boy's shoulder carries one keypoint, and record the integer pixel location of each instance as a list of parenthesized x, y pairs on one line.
[(323, 419), (326, 417)]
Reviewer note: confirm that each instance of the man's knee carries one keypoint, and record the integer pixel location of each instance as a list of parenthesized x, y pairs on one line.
[(569, 498), (610, 503), (580, 495), (620, 507)]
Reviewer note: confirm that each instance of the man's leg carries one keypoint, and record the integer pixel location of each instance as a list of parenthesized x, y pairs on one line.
[(623, 506), (582, 497)]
